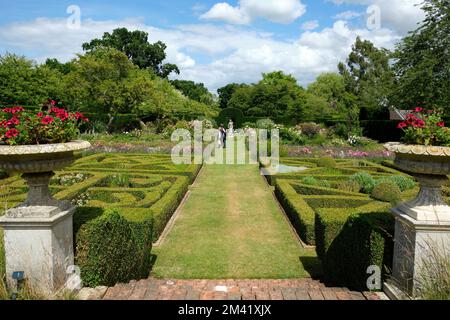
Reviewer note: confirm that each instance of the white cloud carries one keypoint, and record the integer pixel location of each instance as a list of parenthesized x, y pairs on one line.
[(214, 55), (347, 15), (310, 25), (400, 15), (278, 11)]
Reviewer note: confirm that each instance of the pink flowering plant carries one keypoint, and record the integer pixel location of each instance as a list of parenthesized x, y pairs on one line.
[(425, 127), (20, 127)]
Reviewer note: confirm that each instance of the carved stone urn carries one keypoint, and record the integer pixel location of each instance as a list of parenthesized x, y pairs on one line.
[(39, 232), (422, 224)]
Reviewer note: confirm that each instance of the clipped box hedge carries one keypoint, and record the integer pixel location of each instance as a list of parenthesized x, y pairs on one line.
[(116, 224), (304, 193), (109, 248), (348, 243)]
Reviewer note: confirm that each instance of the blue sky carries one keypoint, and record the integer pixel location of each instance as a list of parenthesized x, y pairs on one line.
[(215, 42)]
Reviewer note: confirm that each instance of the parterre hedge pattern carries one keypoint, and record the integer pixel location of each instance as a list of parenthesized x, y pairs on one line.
[(133, 194), (344, 226), (301, 201), (351, 230)]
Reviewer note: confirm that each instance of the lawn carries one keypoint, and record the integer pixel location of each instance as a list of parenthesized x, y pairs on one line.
[(231, 227)]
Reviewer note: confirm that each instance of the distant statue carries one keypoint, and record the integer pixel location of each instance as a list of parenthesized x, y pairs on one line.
[(230, 128)]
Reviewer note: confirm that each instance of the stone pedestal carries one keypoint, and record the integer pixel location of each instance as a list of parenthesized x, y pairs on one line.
[(38, 237), (414, 242), (422, 229)]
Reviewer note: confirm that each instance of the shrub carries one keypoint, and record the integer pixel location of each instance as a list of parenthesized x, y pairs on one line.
[(326, 162), (314, 182), (365, 181), (404, 183), (310, 129), (292, 136), (387, 192), (349, 186), (111, 249), (364, 240), (265, 124)]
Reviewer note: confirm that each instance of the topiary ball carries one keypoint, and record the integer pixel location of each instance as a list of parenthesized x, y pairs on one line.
[(326, 162), (387, 192)]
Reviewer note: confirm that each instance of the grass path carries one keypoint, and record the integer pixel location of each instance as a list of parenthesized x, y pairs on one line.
[(232, 228)]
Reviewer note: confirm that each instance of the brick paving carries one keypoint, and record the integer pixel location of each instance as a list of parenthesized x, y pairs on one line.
[(298, 289)]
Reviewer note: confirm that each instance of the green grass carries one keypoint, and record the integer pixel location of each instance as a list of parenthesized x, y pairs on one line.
[(231, 227)]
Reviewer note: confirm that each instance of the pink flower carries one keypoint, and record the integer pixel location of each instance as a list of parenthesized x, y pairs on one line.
[(440, 124), (40, 114), (418, 109), (420, 123), (402, 125), (47, 120), (11, 133), (13, 121)]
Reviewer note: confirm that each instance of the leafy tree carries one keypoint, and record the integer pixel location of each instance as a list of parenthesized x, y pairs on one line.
[(105, 81), (194, 91), (422, 61), (137, 48), (22, 82), (241, 99), (226, 92), (64, 68), (331, 87), (369, 77)]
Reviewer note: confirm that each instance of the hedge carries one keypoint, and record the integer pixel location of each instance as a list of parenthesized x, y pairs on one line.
[(109, 248), (116, 223), (231, 113), (382, 130), (348, 243), (298, 211)]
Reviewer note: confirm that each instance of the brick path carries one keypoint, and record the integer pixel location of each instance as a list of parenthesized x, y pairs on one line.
[(300, 289)]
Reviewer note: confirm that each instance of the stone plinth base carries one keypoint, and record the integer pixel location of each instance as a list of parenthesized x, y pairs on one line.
[(415, 240), (41, 247)]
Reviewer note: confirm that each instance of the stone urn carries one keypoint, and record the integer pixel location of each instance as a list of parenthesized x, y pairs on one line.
[(39, 232), (422, 224)]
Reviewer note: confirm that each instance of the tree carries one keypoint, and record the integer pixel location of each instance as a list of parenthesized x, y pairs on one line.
[(136, 47), (105, 81), (64, 68), (22, 82), (368, 77), (226, 92), (194, 91), (423, 62), (329, 86)]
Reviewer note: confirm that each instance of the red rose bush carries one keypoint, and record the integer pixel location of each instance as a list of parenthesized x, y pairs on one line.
[(57, 125), (425, 127)]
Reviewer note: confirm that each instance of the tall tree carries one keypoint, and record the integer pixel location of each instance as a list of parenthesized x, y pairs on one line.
[(369, 77), (423, 60), (226, 92), (137, 48), (25, 83), (64, 68), (194, 91)]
